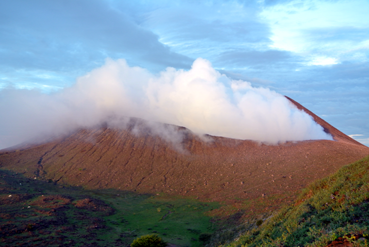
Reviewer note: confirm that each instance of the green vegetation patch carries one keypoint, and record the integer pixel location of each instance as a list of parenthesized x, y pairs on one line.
[(176, 220), (38, 213), (334, 210), (149, 241)]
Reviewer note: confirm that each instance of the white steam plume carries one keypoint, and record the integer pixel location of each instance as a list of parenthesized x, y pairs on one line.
[(200, 99)]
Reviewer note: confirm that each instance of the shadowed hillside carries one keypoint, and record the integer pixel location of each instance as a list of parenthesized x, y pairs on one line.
[(222, 169), (40, 213)]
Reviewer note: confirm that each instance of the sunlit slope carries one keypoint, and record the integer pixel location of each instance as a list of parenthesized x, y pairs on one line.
[(224, 169), (219, 169), (333, 211)]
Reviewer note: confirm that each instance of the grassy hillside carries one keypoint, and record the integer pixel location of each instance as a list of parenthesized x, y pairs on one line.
[(330, 212)]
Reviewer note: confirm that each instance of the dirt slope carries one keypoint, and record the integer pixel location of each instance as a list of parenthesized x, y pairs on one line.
[(222, 170)]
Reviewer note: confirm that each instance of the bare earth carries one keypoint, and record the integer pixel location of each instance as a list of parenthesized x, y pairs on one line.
[(221, 170)]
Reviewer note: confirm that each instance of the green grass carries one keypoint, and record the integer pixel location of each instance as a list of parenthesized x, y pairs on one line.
[(333, 208), (177, 220), (115, 218)]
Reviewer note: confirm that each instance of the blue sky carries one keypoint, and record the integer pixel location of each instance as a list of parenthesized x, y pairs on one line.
[(316, 52)]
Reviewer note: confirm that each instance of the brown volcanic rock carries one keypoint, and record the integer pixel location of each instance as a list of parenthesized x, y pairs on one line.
[(222, 169)]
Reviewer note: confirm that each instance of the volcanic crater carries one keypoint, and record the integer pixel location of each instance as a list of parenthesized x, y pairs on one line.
[(217, 169)]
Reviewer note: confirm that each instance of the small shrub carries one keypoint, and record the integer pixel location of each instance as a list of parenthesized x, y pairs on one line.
[(204, 237), (148, 241), (259, 222), (30, 227)]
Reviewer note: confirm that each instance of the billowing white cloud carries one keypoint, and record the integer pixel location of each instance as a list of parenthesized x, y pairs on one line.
[(200, 99), (315, 51)]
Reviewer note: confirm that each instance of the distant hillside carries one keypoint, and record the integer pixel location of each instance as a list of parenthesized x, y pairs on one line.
[(248, 178), (220, 169), (223, 169), (331, 212)]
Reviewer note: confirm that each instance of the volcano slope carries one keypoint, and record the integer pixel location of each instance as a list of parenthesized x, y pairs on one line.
[(221, 169)]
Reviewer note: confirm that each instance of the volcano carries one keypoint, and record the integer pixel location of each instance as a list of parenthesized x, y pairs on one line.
[(217, 169)]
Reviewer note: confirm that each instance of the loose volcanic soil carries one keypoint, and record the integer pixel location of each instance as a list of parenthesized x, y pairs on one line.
[(222, 169)]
